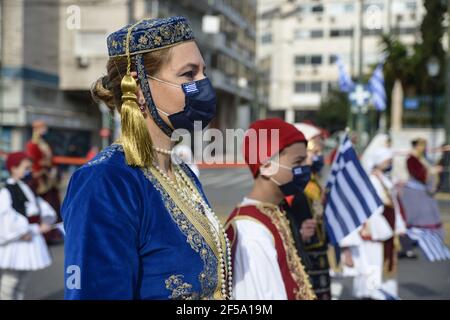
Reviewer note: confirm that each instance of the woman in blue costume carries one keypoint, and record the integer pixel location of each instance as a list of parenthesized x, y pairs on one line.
[(138, 225)]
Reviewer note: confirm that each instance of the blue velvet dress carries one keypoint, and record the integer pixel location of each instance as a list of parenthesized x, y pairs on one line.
[(127, 239)]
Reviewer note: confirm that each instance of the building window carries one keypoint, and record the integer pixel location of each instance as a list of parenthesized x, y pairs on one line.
[(349, 7), (316, 86), (90, 43), (302, 115), (411, 5), (308, 60), (315, 34), (300, 87), (403, 31), (316, 60), (301, 34), (372, 32), (308, 87), (400, 6), (340, 8), (317, 8), (334, 33), (308, 34), (266, 38), (333, 86), (300, 60), (332, 59), (276, 114)]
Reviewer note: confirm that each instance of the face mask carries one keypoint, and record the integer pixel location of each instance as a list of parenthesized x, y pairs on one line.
[(318, 163), (301, 177), (27, 176), (45, 135), (200, 104)]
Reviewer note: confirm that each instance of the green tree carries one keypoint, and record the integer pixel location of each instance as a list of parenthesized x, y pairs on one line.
[(432, 32), (334, 111), (409, 63)]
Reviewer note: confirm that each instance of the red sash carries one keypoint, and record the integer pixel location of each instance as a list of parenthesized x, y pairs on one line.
[(251, 211)]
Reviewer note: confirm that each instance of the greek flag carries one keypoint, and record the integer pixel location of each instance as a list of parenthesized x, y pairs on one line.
[(190, 87), (345, 82), (387, 296), (431, 244), (351, 197), (376, 87)]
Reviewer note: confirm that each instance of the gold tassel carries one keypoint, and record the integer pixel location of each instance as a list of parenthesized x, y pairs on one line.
[(135, 138)]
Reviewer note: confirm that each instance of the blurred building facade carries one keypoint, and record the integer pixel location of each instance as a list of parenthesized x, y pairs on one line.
[(53, 50), (299, 40)]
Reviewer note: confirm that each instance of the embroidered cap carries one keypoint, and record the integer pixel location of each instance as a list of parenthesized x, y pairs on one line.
[(149, 35)]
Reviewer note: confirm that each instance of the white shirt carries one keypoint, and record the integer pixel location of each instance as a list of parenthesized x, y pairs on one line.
[(17, 254), (257, 275), (368, 256)]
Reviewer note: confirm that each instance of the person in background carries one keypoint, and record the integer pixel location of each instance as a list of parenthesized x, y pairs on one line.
[(308, 209), (45, 181), (24, 218), (417, 196), (444, 162), (371, 250)]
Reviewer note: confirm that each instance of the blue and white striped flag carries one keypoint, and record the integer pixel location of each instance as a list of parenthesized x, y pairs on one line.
[(388, 296), (431, 244), (376, 87), (351, 197), (189, 88), (345, 81)]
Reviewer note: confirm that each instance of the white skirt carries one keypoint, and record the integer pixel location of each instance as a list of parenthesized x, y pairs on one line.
[(25, 255)]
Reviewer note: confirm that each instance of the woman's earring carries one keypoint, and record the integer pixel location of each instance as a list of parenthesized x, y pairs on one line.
[(142, 106)]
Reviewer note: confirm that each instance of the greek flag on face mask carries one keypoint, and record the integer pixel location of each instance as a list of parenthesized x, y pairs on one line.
[(190, 88)]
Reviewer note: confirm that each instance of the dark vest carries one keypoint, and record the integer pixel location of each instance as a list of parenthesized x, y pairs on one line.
[(18, 201)]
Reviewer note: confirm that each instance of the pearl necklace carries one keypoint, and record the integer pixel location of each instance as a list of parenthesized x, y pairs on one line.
[(162, 151), (190, 197)]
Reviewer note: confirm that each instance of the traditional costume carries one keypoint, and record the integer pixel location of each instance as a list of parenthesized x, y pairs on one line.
[(421, 209), (45, 180), (308, 205), (266, 261), (21, 212), (374, 245), (132, 232)]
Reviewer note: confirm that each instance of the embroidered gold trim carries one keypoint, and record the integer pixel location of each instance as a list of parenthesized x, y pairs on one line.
[(199, 221), (151, 50), (296, 268), (180, 290)]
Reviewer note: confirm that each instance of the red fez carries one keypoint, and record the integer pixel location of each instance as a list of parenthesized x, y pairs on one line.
[(14, 159), (260, 144)]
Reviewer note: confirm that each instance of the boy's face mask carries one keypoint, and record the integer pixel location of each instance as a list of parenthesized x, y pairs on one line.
[(200, 104), (28, 175), (301, 177), (317, 164)]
